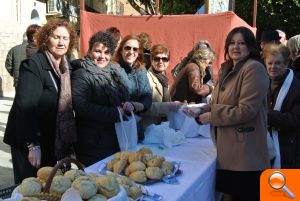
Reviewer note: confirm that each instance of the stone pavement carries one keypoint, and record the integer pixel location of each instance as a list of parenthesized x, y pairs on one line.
[(6, 172)]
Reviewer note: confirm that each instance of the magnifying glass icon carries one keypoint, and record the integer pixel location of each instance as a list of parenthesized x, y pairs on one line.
[(277, 181)]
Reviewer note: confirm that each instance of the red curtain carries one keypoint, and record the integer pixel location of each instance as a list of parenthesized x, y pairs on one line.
[(178, 32)]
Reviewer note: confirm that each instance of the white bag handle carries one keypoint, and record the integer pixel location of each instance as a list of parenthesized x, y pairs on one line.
[(122, 124)]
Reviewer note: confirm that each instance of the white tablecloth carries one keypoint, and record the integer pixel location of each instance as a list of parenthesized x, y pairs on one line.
[(198, 164)]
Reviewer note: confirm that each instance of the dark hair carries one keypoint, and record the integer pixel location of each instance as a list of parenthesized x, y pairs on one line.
[(30, 31), (115, 33), (45, 31), (105, 38), (249, 40), (145, 40), (139, 62), (274, 49), (159, 49)]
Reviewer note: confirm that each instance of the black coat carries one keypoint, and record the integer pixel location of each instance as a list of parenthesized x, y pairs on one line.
[(33, 115), (95, 117), (287, 122)]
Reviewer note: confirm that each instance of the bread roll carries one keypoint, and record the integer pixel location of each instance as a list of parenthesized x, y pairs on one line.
[(138, 176), (168, 165), (97, 197), (155, 162), (136, 166), (28, 199), (60, 184), (108, 186), (145, 150), (135, 192), (44, 172), (134, 156), (154, 173), (30, 186), (74, 174), (85, 187), (119, 166), (111, 163)]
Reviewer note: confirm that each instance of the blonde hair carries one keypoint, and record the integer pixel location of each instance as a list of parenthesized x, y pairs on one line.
[(294, 46), (274, 49)]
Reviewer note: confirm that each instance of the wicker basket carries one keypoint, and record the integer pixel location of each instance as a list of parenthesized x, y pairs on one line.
[(46, 195)]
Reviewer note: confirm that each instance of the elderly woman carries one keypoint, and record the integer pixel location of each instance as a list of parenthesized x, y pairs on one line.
[(41, 125), (189, 85), (294, 47), (99, 90), (130, 57), (160, 60), (284, 106), (238, 117)]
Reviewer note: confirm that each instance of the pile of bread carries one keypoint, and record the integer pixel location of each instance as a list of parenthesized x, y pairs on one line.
[(89, 186), (140, 166)]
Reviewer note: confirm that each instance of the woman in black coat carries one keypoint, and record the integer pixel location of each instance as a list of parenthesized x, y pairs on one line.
[(284, 118), (41, 125), (99, 88)]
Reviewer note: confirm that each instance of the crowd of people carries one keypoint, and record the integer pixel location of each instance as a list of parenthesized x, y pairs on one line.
[(69, 108)]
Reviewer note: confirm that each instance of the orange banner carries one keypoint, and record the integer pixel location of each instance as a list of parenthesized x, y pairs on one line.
[(280, 185), (179, 32)]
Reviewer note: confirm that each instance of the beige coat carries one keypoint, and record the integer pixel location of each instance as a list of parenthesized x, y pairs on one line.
[(239, 117), (158, 109)]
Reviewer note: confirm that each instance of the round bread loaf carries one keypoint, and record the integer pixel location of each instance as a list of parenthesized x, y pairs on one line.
[(138, 176), (85, 186), (135, 192), (60, 184), (119, 166), (136, 166), (29, 199), (97, 197), (154, 173), (145, 150), (44, 172), (108, 186), (30, 186), (74, 174)]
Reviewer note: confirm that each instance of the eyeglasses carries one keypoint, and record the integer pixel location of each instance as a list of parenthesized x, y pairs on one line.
[(128, 48), (164, 59)]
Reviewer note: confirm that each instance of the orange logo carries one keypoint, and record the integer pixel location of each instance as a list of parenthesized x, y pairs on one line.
[(280, 185)]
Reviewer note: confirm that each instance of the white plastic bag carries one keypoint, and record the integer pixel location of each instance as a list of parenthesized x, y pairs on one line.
[(176, 119), (190, 127), (127, 132)]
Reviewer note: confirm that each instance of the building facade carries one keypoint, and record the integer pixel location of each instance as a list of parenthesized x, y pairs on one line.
[(17, 15)]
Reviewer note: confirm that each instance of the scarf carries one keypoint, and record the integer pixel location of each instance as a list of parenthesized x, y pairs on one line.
[(280, 98), (65, 122), (163, 80), (110, 79)]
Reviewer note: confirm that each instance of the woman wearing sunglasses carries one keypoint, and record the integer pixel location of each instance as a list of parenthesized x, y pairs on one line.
[(189, 85), (160, 60), (99, 89), (131, 58)]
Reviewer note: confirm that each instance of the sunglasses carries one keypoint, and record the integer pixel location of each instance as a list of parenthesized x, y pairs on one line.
[(128, 48), (164, 59)]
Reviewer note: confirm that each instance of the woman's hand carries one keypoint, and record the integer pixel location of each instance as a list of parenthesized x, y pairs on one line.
[(128, 107), (204, 118), (175, 106), (192, 111), (34, 156), (138, 107)]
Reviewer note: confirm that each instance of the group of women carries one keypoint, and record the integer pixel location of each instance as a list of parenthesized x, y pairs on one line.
[(42, 127)]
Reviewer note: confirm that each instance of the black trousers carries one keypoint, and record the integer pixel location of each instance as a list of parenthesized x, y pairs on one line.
[(21, 165), (239, 185)]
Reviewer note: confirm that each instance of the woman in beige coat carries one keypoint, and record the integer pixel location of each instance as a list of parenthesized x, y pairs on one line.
[(238, 117), (160, 60)]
